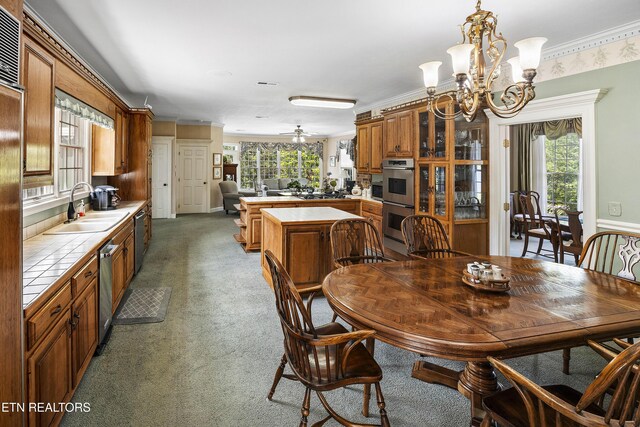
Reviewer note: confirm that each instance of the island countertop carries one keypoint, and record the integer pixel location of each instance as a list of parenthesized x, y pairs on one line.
[(312, 215)]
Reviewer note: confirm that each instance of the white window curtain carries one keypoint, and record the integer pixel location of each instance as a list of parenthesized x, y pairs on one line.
[(539, 170)]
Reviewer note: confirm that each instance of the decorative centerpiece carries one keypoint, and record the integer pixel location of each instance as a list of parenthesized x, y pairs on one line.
[(485, 277)]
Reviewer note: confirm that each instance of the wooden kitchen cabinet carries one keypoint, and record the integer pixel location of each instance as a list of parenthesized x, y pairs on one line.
[(38, 73), (372, 211), (123, 263), (399, 133), (370, 140), (85, 329), (106, 156), (49, 372), (300, 239)]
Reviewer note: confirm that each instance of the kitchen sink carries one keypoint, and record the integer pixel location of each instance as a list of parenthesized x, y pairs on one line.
[(104, 214), (82, 227)]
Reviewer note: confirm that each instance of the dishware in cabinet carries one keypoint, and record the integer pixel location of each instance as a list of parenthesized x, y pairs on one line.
[(433, 135), (470, 192), (433, 190)]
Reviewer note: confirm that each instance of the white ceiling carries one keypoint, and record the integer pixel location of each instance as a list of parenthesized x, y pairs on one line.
[(201, 60)]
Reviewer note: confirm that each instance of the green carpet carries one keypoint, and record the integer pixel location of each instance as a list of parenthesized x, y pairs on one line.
[(211, 362)]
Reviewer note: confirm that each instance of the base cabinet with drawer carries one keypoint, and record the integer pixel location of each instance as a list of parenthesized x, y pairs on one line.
[(372, 211), (123, 263), (62, 336)]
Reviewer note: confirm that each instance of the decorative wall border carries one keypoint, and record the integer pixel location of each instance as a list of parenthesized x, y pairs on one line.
[(617, 45), (618, 225)]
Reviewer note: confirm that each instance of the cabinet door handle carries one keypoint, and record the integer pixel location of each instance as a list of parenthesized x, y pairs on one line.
[(76, 315), (322, 235), (56, 310), (88, 274)]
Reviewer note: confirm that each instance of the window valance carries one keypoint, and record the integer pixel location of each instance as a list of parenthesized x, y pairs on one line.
[(78, 108), (554, 129), (314, 147)]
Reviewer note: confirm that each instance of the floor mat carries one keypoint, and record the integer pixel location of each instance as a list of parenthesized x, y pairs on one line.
[(143, 305)]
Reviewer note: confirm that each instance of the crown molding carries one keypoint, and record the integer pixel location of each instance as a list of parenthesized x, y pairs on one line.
[(611, 35), (338, 135), (283, 137), (62, 43)]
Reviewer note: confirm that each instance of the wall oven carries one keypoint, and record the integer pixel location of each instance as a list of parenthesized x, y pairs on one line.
[(397, 181), (398, 200)]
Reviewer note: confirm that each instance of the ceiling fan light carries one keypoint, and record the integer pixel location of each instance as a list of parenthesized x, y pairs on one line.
[(530, 51), (314, 101), (430, 73), (461, 57), (516, 70)]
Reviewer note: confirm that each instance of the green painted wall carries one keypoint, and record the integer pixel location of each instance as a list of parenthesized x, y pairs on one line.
[(617, 133)]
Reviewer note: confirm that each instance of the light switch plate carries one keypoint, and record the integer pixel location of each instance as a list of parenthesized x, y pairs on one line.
[(615, 208)]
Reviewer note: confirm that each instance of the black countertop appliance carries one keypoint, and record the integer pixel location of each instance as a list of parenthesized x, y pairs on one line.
[(104, 197)]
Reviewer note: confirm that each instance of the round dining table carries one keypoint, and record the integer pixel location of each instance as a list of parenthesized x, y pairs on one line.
[(424, 307)]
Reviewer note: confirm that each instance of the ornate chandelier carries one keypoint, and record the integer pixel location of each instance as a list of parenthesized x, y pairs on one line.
[(474, 83)]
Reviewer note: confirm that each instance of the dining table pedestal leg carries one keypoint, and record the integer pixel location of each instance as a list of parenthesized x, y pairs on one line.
[(477, 380)]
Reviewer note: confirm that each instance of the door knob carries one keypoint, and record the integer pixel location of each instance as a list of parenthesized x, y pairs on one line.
[(205, 183), (164, 185)]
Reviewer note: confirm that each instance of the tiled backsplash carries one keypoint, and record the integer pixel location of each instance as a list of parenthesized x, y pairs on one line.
[(42, 226)]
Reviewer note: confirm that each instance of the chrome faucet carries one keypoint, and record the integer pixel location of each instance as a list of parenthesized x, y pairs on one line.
[(71, 212)]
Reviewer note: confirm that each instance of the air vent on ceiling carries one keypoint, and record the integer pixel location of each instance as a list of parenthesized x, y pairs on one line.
[(9, 47), (268, 83)]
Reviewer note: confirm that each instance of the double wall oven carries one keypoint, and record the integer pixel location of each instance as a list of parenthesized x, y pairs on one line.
[(398, 199)]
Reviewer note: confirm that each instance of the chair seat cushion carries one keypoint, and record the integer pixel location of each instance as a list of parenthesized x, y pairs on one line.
[(507, 408), (538, 232)]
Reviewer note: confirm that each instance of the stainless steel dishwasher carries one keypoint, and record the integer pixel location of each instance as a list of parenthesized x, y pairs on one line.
[(139, 238), (106, 293)]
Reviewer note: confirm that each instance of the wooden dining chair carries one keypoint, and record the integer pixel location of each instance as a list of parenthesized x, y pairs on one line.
[(322, 358), (610, 252), (533, 223), (528, 404), (355, 241), (425, 237), (566, 239)]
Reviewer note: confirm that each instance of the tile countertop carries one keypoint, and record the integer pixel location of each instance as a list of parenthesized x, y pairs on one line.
[(272, 199), (49, 257)]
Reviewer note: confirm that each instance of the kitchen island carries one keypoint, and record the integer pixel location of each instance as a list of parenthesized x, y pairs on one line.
[(299, 238), (250, 221)]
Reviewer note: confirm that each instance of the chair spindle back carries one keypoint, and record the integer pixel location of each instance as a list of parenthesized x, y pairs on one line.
[(355, 241), (426, 237), (612, 252)]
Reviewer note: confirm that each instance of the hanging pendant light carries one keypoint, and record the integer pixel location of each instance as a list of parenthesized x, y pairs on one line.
[(474, 82)]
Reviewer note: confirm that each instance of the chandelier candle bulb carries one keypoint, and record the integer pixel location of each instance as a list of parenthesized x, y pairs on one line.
[(530, 50)]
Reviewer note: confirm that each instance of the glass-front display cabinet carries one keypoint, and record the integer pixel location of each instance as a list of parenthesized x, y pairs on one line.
[(470, 141), (433, 136), (470, 192), (433, 189)]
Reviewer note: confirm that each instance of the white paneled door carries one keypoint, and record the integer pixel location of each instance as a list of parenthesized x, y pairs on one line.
[(193, 179), (161, 179)]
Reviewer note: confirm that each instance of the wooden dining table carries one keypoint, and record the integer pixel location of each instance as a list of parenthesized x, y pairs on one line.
[(424, 307)]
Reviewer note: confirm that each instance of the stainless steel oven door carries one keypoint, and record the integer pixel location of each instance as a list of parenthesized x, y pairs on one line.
[(398, 186), (392, 216)]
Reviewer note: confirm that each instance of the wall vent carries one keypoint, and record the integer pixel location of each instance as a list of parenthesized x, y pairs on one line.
[(9, 47)]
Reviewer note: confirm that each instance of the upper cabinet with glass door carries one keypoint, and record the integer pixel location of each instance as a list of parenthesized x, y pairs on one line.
[(433, 132), (470, 138)]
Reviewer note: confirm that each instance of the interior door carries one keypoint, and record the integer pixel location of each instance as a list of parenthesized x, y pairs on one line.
[(161, 180), (193, 179)]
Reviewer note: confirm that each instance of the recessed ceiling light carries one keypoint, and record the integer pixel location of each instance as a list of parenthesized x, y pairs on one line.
[(315, 101)]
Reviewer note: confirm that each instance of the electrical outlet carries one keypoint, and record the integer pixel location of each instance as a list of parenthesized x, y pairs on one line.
[(615, 208)]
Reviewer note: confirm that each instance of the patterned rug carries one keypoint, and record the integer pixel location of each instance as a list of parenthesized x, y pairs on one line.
[(143, 305)]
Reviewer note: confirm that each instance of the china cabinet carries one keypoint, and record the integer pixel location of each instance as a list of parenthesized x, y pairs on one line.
[(452, 177)]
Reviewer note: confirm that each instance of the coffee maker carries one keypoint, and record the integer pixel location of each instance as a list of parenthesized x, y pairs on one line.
[(104, 197)]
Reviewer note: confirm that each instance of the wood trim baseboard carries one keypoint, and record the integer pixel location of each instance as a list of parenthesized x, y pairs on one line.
[(618, 225)]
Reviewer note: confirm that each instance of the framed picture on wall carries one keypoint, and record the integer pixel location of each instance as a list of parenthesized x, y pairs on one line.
[(217, 173), (217, 159), (332, 161)]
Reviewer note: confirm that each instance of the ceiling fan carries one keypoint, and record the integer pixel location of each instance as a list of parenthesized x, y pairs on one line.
[(298, 134)]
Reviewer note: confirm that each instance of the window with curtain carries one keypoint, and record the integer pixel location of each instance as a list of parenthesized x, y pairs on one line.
[(562, 157), (261, 161)]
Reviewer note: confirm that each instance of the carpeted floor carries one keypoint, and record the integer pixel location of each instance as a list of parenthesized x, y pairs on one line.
[(211, 362)]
